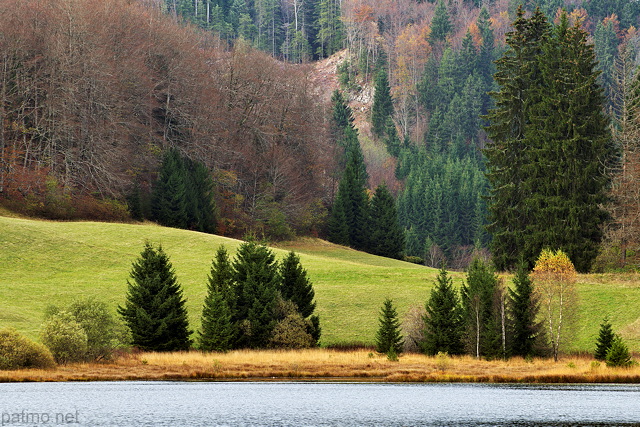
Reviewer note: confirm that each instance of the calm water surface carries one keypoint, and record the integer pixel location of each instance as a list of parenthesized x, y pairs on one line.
[(315, 404)]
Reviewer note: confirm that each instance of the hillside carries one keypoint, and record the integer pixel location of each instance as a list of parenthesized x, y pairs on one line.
[(44, 263)]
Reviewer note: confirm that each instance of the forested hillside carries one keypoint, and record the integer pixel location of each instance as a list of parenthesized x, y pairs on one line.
[(94, 94)]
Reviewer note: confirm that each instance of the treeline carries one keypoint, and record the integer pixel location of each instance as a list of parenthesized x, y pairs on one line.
[(296, 31), (94, 93)]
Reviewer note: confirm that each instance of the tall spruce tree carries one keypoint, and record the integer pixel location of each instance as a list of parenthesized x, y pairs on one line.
[(389, 336), (443, 320), (386, 235), (155, 309), (524, 328), (551, 143), (169, 199)]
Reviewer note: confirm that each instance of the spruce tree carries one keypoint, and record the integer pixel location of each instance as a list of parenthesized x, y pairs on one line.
[(386, 236), (440, 24), (443, 320), (169, 200), (382, 107), (551, 146), (155, 310), (480, 312), (389, 336), (256, 277), (618, 354), (296, 286), (604, 340), (523, 305), (218, 331)]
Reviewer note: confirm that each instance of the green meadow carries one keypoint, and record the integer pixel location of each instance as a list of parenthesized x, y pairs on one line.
[(44, 263)]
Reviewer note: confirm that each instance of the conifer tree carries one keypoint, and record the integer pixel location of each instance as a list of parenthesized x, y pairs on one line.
[(524, 329), (604, 340), (443, 319), (168, 202), (480, 314), (386, 236), (440, 24), (382, 107), (551, 146), (618, 354), (218, 331), (256, 277), (155, 310), (296, 286), (389, 336)]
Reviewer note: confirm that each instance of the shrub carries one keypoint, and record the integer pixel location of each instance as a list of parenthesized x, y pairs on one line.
[(105, 334), (291, 332), (17, 351), (65, 337)]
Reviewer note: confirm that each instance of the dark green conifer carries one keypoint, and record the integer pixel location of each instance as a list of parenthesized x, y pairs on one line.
[(389, 336), (218, 331), (382, 108), (155, 310), (443, 320), (618, 354), (169, 201), (523, 307), (386, 236), (604, 340)]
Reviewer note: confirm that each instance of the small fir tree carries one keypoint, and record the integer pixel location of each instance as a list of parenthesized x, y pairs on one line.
[(443, 325), (604, 340), (618, 355), (155, 310), (296, 286), (389, 337)]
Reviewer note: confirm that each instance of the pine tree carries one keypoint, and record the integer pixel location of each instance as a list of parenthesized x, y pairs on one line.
[(480, 314), (168, 202), (524, 330), (551, 146), (604, 340), (389, 337), (386, 236), (218, 331), (256, 277), (440, 24), (443, 320), (618, 354), (382, 107), (296, 286), (155, 310)]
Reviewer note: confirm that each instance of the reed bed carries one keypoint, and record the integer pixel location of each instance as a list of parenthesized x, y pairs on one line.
[(323, 364)]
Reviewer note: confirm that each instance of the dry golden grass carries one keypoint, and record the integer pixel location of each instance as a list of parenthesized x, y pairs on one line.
[(322, 364)]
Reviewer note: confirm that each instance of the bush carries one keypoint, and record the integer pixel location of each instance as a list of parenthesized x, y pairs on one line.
[(105, 334), (17, 352), (65, 337), (291, 332)]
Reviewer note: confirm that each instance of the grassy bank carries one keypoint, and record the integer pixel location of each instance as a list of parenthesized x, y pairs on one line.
[(322, 364), (43, 262)]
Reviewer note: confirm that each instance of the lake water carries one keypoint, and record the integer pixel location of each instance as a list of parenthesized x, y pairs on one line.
[(316, 404)]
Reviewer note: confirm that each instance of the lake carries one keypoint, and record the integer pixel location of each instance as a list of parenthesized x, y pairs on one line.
[(316, 404)]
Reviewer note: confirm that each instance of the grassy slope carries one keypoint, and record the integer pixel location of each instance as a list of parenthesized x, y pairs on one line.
[(45, 263)]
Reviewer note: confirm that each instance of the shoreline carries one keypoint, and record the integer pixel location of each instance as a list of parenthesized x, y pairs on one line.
[(322, 365)]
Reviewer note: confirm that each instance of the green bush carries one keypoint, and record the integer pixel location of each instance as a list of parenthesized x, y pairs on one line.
[(104, 332), (65, 337), (291, 332), (18, 352)]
